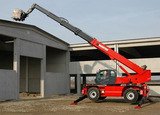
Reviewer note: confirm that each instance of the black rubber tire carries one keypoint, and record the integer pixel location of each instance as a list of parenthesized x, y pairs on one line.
[(140, 97), (93, 94), (131, 96), (102, 98)]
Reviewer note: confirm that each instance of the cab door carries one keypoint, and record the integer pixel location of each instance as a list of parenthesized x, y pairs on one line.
[(105, 77)]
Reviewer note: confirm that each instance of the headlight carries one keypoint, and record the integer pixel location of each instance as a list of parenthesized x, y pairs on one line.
[(102, 91)]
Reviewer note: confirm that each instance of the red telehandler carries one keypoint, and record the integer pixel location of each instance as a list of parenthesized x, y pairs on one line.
[(108, 84)]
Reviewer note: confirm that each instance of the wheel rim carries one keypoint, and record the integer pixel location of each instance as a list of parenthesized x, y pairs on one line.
[(93, 94), (130, 96)]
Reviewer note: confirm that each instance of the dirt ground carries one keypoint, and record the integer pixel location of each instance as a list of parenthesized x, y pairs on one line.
[(60, 105)]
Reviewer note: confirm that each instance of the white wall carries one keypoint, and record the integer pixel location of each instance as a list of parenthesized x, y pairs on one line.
[(91, 67), (154, 90)]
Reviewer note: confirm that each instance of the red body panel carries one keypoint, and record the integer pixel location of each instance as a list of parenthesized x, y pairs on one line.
[(107, 91), (117, 91), (114, 91), (134, 79)]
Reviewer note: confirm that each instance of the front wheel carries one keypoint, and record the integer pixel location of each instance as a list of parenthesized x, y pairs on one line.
[(131, 96), (93, 94)]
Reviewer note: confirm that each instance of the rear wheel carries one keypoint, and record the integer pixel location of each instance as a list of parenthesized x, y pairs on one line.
[(93, 94), (131, 96)]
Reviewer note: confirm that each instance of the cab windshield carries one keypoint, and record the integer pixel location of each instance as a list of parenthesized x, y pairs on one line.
[(106, 77)]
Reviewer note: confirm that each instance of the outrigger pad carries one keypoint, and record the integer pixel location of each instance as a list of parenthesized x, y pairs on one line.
[(79, 99), (138, 107), (73, 103), (151, 101), (142, 101)]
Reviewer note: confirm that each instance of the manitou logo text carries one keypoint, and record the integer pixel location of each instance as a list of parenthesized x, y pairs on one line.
[(103, 47)]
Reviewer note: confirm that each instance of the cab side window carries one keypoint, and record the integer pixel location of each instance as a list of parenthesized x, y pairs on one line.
[(103, 74), (113, 74)]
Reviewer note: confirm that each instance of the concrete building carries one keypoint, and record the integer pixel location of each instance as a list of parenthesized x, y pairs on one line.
[(31, 60), (87, 60)]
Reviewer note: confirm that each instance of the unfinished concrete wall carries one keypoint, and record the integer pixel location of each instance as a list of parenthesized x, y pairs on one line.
[(34, 69), (55, 60), (56, 83), (30, 49), (6, 60), (23, 74), (30, 66), (57, 80), (30, 74), (6, 52), (8, 84), (31, 33)]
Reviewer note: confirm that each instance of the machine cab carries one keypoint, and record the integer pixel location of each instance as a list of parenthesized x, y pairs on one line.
[(106, 77)]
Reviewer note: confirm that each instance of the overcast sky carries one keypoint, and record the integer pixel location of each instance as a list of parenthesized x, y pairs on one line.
[(106, 20)]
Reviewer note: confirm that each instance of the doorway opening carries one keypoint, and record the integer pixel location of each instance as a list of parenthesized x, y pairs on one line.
[(73, 84), (30, 76)]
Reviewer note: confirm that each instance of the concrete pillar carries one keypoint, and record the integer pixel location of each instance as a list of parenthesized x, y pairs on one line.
[(16, 64), (78, 84), (43, 71), (116, 49), (27, 77), (67, 71)]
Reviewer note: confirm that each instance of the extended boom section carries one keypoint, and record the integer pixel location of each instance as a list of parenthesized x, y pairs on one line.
[(62, 21)]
